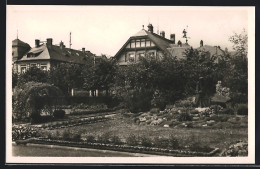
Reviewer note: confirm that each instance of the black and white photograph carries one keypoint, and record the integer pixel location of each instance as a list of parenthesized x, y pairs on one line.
[(130, 84)]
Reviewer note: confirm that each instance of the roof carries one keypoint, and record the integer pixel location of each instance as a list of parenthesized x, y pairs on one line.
[(53, 52), (178, 51), (18, 42), (158, 40), (211, 49)]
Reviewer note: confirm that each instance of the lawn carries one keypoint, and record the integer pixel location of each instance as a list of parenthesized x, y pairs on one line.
[(122, 126)]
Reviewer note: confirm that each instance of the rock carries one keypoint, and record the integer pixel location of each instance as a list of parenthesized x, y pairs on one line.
[(195, 118), (166, 125), (142, 119)]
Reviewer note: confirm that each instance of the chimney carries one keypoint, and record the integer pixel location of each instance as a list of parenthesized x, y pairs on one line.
[(49, 42), (179, 43), (83, 50), (201, 43), (162, 33), (150, 28), (37, 43), (61, 45), (172, 38)]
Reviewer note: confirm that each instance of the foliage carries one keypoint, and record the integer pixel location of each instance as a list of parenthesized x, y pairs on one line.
[(161, 142), (146, 141), (14, 79), (173, 142), (58, 114), (66, 76), (30, 98), (116, 140), (184, 116), (132, 140), (33, 74), (99, 76), (90, 139), (23, 132), (104, 138), (242, 109)]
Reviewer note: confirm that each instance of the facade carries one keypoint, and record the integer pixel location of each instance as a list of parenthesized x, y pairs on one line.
[(19, 48), (147, 43), (46, 55)]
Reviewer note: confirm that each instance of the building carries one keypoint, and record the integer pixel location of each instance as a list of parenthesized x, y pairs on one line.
[(45, 55), (19, 48), (147, 43)]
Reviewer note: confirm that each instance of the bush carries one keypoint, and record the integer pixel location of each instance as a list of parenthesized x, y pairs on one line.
[(66, 135), (242, 109), (184, 116), (90, 139), (161, 142), (131, 140), (58, 114), (35, 118), (104, 138), (226, 111), (76, 137), (155, 111), (145, 141), (116, 140), (173, 142), (196, 146)]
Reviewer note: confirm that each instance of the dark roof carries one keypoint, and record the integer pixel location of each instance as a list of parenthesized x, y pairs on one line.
[(18, 42), (53, 52)]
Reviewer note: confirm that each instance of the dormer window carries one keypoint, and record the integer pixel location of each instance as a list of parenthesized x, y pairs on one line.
[(30, 55)]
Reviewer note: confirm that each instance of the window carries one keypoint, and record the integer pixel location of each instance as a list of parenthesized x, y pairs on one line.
[(128, 45), (138, 43), (141, 55), (148, 43), (152, 44), (44, 67), (143, 43), (132, 44), (33, 64), (23, 68), (131, 57)]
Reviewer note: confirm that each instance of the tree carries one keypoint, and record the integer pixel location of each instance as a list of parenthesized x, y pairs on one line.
[(240, 43), (33, 74), (66, 76), (32, 97), (100, 76)]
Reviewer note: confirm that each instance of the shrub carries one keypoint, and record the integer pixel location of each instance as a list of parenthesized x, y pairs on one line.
[(161, 142), (59, 114), (66, 135), (76, 137), (90, 139), (35, 118), (184, 116), (116, 140), (132, 140), (173, 142), (242, 109), (145, 141), (155, 111), (226, 111), (196, 146), (104, 138)]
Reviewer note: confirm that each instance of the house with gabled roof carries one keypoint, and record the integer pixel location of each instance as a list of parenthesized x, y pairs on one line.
[(46, 55), (147, 43)]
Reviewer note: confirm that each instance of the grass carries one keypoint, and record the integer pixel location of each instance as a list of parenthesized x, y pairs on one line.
[(220, 137)]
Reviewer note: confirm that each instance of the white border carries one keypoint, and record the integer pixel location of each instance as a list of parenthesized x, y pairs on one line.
[(147, 160)]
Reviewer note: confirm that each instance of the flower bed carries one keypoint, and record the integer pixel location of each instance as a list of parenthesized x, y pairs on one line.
[(126, 148)]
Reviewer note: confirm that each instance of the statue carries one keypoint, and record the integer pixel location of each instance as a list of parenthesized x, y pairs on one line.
[(200, 93), (184, 33)]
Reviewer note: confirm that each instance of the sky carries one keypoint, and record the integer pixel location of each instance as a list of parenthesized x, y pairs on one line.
[(105, 29)]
